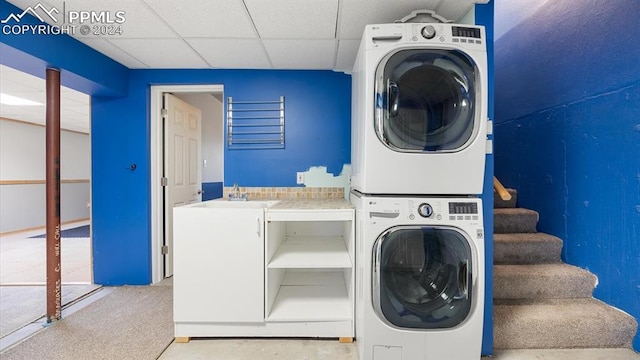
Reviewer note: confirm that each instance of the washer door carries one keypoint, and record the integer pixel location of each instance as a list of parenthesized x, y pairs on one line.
[(422, 277), (426, 100)]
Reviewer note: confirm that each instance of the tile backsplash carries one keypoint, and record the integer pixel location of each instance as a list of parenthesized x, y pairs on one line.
[(288, 192)]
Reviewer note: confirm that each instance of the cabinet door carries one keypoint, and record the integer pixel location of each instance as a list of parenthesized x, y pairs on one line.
[(218, 265)]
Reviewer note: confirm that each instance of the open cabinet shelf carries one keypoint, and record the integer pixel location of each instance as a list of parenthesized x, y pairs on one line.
[(311, 252), (311, 296), (309, 269)]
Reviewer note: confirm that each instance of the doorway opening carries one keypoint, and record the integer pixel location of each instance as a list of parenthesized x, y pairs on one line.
[(22, 199), (168, 146)]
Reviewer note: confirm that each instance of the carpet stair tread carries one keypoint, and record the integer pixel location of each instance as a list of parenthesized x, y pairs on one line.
[(514, 220), (539, 281), (560, 323), (526, 248)]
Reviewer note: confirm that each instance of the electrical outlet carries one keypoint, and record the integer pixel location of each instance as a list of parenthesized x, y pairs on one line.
[(300, 178)]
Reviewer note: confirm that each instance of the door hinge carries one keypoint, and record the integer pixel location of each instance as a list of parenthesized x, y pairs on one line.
[(164, 113), (164, 181), (165, 250)]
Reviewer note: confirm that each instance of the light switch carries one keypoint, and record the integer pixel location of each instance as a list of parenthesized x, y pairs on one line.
[(300, 178)]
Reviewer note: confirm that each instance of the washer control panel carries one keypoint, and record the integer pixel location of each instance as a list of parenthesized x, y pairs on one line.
[(425, 210)]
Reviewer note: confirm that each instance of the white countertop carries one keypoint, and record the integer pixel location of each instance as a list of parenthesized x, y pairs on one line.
[(311, 204)]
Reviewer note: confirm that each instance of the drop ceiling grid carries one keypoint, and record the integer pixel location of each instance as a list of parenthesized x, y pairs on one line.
[(206, 18), (232, 53), (109, 49), (140, 20), (75, 106), (15, 86), (294, 19), (196, 33), (162, 53), (301, 54), (37, 96)]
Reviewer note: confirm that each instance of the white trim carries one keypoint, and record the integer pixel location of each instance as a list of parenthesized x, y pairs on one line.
[(156, 166)]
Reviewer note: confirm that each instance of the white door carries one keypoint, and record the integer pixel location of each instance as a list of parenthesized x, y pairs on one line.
[(182, 153)]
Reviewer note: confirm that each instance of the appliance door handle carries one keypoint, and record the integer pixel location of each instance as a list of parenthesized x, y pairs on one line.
[(393, 94), (463, 280), (258, 228)]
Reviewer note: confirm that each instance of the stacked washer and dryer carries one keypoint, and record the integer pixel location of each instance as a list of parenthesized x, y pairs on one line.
[(418, 154)]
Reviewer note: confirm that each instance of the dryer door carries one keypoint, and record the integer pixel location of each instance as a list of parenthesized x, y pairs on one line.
[(422, 277), (426, 100)]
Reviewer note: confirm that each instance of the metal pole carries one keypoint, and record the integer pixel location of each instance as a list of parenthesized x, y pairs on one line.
[(54, 278)]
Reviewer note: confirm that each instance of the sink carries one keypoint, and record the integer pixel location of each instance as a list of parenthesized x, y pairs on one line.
[(226, 204)]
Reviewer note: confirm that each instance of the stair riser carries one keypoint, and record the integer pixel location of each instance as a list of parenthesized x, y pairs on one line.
[(525, 255), (523, 287), (509, 224), (535, 335), (532, 248), (499, 203)]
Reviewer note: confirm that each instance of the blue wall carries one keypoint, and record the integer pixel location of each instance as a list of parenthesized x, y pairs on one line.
[(484, 16), (317, 113), (568, 134)]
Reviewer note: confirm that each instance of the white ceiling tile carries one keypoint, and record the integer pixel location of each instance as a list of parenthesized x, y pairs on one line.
[(206, 18), (208, 25), (37, 96), (114, 52), (294, 19), (12, 86), (162, 53), (355, 14), (75, 97), (74, 110), (140, 21), (232, 53), (301, 54), (347, 51), (75, 106), (13, 80)]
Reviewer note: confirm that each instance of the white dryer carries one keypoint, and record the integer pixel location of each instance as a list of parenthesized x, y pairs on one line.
[(420, 265), (419, 109)]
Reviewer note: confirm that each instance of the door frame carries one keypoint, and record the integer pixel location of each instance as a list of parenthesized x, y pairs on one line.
[(157, 193)]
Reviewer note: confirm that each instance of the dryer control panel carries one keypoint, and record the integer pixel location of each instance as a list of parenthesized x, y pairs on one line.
[(425, 210)]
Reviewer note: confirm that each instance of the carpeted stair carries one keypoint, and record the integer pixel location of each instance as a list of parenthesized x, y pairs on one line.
[(541, 302)]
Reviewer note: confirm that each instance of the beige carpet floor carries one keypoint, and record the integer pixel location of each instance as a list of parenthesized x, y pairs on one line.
[(23, 260), (133, 322), (21, 305)]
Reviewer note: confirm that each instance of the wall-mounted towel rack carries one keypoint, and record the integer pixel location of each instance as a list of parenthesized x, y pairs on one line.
[(255, 124)]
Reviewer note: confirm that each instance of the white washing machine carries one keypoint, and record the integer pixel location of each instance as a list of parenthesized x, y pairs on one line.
[(419, 109), (420, 265)]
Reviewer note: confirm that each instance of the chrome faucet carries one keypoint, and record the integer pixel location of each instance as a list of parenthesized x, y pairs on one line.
[(236, 196)]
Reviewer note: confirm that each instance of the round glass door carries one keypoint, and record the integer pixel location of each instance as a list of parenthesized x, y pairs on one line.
[(422, 277), (426, 101)]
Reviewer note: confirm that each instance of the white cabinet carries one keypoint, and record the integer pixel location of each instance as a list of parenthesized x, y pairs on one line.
[(309, 267), (236, 276), (219, 264)]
